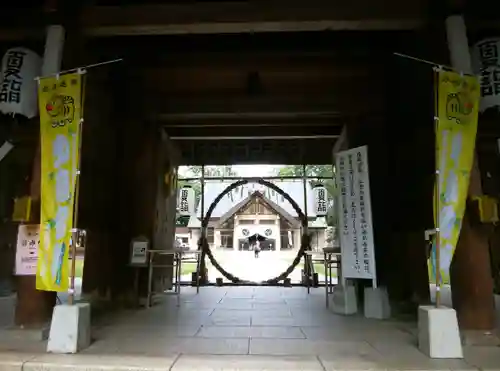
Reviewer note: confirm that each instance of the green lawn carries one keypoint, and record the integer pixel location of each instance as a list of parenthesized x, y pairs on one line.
[(320, 269), (78, 267), (188, 268)]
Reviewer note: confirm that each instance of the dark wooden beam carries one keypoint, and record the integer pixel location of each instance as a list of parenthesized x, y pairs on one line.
[(263, 151), (345, 102), (303, 130), (252, 119), (353, 54), (253, 16)]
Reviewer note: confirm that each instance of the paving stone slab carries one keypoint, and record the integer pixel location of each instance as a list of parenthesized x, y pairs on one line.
[(247, 363), (14, 361), (251, 332), (96, 363)]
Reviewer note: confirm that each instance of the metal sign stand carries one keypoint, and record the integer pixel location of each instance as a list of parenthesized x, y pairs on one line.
[(308, 266), (201, 266)]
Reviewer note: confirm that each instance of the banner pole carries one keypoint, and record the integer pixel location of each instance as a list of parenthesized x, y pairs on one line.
[(71, 298), (438, 191), (78, 69), (438, 246)]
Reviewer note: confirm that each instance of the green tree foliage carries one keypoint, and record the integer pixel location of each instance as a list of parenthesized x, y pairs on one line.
[(195, 172), (329, 184), (210, 172)]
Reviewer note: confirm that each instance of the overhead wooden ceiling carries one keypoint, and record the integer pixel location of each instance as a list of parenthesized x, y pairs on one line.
[(238, 98), (247, 69), (213, 17), (105, 18)]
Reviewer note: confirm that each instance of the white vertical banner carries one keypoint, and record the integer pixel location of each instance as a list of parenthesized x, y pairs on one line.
[(486, 63), (320, 200), (187, 199), (18, 87), (355, 214)]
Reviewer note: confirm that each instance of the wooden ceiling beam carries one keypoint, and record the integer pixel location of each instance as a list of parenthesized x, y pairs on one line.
[(198, 87), (264, 151), (306, 129), (251, 119), (253, 16), (149, 56), (347, 101)]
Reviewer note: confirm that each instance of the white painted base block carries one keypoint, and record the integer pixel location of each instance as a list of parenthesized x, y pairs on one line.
[(438, 332), (377, 303), (344, 300), (70, 328)]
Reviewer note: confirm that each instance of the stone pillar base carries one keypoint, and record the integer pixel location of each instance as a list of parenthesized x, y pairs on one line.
[(377, 303), (70, 329), (344, 300), (438, 332)]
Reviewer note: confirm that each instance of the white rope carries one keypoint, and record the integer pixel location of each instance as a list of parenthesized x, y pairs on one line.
[(80, 70), (436, 65)]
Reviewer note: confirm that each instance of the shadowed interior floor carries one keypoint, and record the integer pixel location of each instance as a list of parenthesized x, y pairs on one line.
[(284, 327)]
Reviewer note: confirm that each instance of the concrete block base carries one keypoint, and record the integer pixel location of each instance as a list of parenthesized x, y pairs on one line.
[(377, 303), (438, 332), (344, 300), (70, 328)]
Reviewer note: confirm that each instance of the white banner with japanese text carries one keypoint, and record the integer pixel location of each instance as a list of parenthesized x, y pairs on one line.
[(486, 64), (355, 215), (18, 87)]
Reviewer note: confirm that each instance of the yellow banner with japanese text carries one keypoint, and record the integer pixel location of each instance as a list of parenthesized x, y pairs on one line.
[(60, 104), (457, 104)]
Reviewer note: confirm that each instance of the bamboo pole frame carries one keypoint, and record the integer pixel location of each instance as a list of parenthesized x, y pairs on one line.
[(236, 178), (74, 237), (201, 263), (438, 191)]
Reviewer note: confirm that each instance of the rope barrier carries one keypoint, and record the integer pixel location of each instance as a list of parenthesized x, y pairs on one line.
[(305, 240)]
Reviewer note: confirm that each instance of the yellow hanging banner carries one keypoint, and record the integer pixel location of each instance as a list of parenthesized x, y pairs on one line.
[(457, 105), (60, 103)]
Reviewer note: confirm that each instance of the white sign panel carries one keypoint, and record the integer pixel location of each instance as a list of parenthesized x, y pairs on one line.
[(186, 201), (355, 221), (486, 63), (320, 200), (139, 255), (28, 240), (18, 87)]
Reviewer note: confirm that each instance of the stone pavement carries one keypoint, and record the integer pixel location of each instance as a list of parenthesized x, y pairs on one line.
[(244, 328), (249, 328)]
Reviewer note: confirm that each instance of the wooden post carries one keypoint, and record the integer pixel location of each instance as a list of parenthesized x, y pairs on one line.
[(470, 273), (33, 307)]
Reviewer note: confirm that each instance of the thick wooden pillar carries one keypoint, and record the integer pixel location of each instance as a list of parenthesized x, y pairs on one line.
[(33, 307), (409, 167), (470, 273), (97, 206)]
